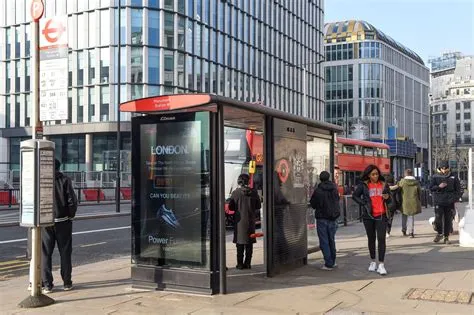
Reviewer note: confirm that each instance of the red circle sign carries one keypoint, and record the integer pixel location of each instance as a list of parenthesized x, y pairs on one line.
[(37, 9), (53, 33)]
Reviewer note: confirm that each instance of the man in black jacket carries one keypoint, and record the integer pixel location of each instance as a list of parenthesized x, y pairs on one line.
[(65, 206), (446, 190), (325, 202)]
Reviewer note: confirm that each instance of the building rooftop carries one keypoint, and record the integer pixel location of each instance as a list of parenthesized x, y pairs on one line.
[(354, 30)]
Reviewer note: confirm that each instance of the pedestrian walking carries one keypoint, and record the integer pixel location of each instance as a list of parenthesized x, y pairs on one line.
[(393, 203), (245, 203), (371, 194), (411, 202), (65, 207), (446, 190), (325, 202)]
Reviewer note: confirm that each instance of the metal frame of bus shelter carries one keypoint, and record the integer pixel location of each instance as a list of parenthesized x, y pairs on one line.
[(215, 280)]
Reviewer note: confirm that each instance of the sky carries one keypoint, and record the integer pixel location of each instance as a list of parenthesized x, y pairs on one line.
[(428, 27)]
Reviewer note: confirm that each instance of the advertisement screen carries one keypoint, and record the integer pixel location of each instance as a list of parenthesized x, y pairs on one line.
[(174, 192)]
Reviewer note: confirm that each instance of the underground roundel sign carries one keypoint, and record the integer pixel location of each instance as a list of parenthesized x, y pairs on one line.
[(53, 31), (283, 170)]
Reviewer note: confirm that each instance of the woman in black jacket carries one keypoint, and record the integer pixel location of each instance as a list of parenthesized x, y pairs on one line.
[(371, 194)]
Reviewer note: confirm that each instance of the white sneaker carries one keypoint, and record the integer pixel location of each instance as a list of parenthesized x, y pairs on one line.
[(381, 270), (373, 266), (387, 235)]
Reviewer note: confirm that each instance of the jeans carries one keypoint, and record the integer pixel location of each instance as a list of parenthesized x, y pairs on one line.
[(405, 219), (376, 229), (444, 219), (327, 240), (60, 233)]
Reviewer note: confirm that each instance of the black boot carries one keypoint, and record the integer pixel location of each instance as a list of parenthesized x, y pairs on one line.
[(240, 256), (248, 256)]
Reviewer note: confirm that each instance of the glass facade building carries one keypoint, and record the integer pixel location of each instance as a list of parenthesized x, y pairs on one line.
[(254, 51), (372, 80)]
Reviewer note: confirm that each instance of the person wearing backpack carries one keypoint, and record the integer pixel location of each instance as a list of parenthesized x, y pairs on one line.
[(325, 202)]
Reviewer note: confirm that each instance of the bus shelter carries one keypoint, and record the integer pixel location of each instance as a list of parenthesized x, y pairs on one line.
[(178, 187)]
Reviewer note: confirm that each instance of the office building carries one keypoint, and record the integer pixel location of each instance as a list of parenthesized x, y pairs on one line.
[(374, 84), (452, 102), (256, 51)]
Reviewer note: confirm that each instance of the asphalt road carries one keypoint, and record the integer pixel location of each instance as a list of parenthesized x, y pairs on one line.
[(93, 240)]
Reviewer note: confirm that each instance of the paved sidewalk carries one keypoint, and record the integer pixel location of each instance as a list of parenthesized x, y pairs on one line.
[(104, 288)]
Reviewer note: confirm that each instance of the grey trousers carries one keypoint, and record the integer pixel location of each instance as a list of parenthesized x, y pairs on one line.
[(405, 219)]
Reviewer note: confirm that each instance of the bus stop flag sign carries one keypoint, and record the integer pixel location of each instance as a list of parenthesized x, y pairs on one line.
[(53, 69)]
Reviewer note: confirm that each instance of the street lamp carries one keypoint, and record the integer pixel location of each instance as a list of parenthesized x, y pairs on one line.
[(303, 67)]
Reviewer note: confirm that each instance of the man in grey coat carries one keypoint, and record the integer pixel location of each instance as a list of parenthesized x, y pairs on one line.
[(246, 204)]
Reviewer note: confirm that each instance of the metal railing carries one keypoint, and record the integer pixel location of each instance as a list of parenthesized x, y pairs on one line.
[(10, 197)]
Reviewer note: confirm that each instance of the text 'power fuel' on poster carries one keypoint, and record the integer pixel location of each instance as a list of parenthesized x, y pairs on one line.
[(174, 196)]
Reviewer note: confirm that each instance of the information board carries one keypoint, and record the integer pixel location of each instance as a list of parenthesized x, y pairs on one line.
[(46, 181), (27, 188)]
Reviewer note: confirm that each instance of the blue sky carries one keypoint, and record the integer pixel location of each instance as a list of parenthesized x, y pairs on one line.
[(428, 27)]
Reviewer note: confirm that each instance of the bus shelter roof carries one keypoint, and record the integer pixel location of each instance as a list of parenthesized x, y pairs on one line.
[(238, 113)]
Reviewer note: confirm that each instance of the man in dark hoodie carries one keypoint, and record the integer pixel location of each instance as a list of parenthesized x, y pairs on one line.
[(65, 206), (325, 202), (446, 190), (245, 201)]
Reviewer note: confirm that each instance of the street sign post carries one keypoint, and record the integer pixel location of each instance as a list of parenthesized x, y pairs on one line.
[(30, 198)]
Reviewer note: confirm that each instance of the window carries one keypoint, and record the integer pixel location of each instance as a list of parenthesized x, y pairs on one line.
[(458, 127), (467, 105), (444, 107), (104, 65), (467, 115), (137, 29), (153, 66), (458, 106), (137, 65), (153, 27), (348, 149), (368, 151), (458, 116), (169, 30), (467, 127)]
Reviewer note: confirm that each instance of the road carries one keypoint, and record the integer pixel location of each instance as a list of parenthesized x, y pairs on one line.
[(11, 216), (93, 240)]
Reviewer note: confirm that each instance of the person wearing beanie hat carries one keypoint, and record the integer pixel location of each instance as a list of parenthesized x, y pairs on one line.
[(325, 202), (446, 190)]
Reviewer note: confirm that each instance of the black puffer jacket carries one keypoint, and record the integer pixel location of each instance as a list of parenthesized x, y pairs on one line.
[(325, 201), (362, 196), (448, 195), (65, 200)]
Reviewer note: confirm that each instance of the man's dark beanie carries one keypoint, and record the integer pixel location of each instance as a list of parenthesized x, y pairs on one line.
[(57, 165), (324, 176), (444, 164)]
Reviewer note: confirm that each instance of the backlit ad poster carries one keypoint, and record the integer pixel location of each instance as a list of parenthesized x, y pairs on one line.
[(174, 191)]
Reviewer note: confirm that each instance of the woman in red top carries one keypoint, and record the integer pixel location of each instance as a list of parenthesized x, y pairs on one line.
[(371, 195)]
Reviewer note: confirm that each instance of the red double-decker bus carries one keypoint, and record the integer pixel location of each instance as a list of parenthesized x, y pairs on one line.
[(353, 156)]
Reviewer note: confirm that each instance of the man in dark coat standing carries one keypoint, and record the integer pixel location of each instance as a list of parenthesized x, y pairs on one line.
[(325, 202), (446, 190), (246, 204), (65, 206)]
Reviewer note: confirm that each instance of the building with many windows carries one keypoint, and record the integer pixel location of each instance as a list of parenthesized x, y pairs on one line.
[(254, 51), (375, 84), (452, 104)]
